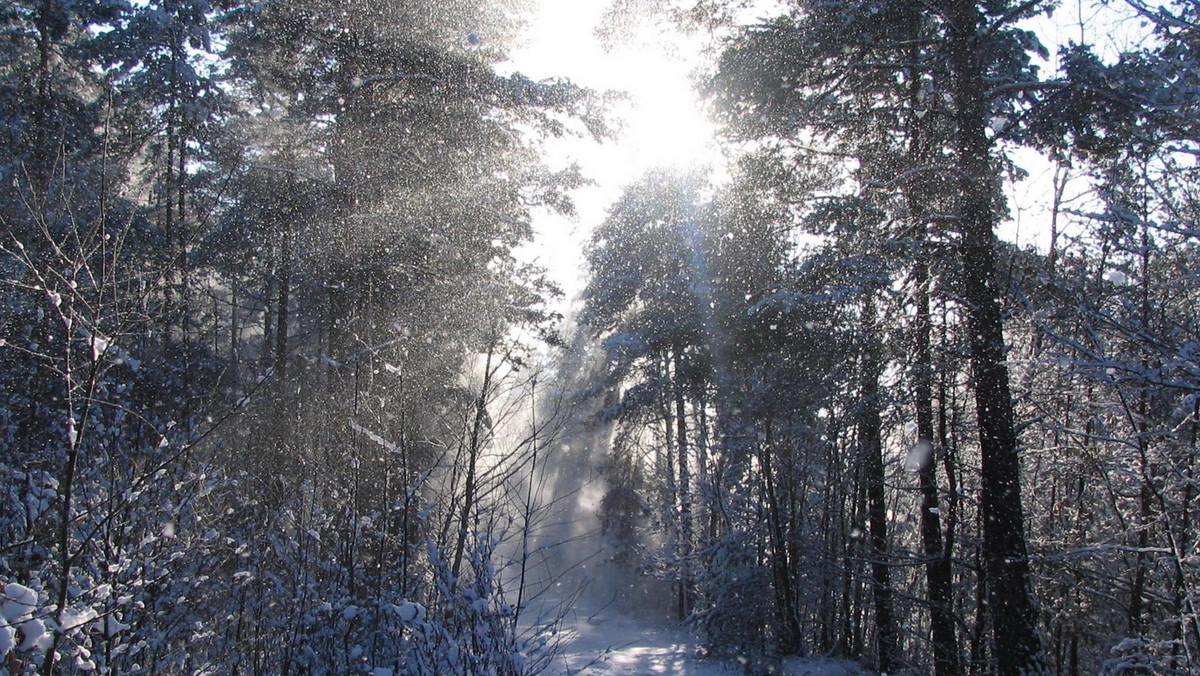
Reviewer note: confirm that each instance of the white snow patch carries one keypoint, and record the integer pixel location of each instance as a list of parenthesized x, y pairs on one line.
[(409, 611), (113, 625), (1117, 277), (33, 630), (73, 619), (18, 602), (919, 456), (607, 641)]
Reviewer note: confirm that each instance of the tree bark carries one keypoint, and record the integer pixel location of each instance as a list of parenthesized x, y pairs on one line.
[(871, 442), (785, 593), (938, 575), (685, 498), (1013, 613)]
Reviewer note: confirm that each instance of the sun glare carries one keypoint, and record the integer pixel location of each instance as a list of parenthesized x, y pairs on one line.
[(661, 123), (664, 122)]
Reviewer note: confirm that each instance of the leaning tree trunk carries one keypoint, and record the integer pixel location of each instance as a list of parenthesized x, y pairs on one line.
[(474, 449)]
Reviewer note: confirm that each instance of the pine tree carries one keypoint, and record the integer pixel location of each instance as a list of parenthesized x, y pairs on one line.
[(837, 71)]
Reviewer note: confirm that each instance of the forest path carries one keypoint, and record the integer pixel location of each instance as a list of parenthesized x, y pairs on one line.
[(607, 641), (604, 640)]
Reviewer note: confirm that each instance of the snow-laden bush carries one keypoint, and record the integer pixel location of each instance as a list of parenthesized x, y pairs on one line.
[(1136, 655), (737, 607), (469, 628)]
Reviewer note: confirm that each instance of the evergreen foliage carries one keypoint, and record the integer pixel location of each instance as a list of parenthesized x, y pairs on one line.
[(265, 338)]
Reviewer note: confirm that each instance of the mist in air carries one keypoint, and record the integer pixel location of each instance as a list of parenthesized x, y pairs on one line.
[(625, 337)]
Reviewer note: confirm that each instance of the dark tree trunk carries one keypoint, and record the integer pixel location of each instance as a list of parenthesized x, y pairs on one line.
[(1145, 519), (785, 593), (283, 288), (872, 449), (1013, 613), (685, 499), (938, 577), (938, 574), (49, 21), (475, 445)]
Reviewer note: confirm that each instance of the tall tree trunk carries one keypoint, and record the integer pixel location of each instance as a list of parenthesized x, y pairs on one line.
[(475, 444), (283, 288), (871, 442), (854, 562), (183, 260), (938, 576), (1137, 590), (1010, 598), (1181, 596), (527, 511), (685, 499), (785, 593), (40, 165)]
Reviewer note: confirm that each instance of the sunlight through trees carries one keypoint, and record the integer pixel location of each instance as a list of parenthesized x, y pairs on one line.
[(282, 393)]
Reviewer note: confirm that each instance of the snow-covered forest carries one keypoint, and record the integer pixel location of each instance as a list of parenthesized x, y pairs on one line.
[(281, 394)]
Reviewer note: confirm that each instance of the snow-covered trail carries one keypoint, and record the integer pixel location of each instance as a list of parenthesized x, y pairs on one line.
[(608, 641), (604, 640), (610, 619)]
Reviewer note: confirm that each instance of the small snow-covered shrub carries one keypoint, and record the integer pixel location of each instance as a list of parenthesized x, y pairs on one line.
[(738, 606), (466, 629), (1137, 655)]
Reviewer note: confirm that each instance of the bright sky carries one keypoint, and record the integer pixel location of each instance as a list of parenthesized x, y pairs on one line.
[(1110, 30), (663, 124)]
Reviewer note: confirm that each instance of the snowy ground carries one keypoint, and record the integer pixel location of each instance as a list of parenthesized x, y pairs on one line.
[(605, 640), (612, 619)]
